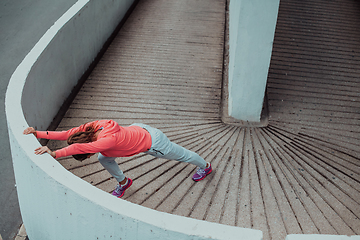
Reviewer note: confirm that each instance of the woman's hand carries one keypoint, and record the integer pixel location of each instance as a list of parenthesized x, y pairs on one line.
[(30, 130), (44, 149), (39, 150)]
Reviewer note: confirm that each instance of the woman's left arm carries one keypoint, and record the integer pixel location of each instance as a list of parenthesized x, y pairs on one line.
[(99, 145), (44, 149)]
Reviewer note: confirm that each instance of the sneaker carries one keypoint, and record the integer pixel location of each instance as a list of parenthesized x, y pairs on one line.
[(201, 173), (120, 190)]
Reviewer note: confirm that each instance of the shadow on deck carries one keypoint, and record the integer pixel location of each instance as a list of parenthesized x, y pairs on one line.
[(300, 174)]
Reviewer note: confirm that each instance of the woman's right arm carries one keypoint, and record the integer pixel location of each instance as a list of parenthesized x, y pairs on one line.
[(30, 130), (63, 135), (54, 135)]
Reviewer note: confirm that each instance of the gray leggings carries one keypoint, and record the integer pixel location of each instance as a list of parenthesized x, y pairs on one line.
[(161, 147)]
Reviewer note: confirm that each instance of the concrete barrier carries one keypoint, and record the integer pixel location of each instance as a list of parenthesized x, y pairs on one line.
[(54, 203)]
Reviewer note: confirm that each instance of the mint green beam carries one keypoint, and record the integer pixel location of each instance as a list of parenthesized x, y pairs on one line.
[(251, 34)]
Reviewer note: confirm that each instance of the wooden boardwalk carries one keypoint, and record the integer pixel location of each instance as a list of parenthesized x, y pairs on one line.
[(300, 174)]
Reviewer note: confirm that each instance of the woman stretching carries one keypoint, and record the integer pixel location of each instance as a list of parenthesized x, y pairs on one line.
[(110, 140)]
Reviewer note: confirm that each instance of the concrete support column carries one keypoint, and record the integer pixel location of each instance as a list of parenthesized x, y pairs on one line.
[(251, 34)]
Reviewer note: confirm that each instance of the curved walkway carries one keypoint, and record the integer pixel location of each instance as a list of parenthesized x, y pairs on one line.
[(300, 174)]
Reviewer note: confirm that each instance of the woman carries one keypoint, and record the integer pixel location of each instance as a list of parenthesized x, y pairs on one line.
[(110, 140)]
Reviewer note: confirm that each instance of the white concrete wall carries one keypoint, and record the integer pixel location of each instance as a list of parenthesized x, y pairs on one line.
[(251, 34), (71, 45), (55, 204)]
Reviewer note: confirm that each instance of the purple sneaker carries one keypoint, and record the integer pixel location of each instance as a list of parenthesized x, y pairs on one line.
[(202, 173), (120, 190)]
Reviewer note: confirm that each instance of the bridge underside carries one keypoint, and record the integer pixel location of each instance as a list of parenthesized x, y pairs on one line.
[(300, 174)]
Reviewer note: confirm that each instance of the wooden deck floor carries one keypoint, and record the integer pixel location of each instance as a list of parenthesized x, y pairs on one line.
[(300, 174)]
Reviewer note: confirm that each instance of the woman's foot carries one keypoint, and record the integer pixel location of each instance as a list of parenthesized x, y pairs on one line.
[(120, 189), (201, 173)]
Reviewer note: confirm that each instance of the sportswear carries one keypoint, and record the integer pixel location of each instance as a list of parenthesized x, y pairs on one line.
[(112, 141)]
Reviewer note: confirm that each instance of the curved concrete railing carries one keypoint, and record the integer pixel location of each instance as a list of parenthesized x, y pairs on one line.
[(55, 204)]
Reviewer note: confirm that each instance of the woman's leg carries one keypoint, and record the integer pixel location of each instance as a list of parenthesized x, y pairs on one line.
[(162, 147), (176, 152), (112, 167)]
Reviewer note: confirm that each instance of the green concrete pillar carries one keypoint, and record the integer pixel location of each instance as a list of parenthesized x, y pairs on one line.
[(251, 34)]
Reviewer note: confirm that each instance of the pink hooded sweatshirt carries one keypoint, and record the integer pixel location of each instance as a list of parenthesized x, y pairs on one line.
[(113, 140)]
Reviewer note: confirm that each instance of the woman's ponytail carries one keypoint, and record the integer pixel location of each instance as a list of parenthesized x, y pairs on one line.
[(82, 137)]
